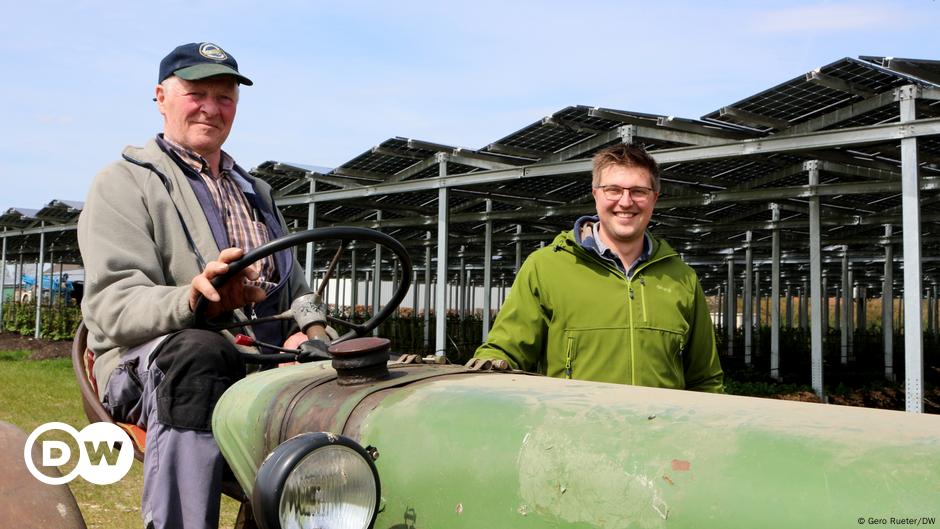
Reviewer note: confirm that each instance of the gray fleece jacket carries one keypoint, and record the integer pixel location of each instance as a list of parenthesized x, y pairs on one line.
[(138, 260)]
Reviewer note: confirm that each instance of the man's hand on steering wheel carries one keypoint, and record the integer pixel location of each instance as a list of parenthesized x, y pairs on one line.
[(234, 294)]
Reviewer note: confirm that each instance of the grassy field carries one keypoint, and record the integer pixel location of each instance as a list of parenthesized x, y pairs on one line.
[(41, 391)]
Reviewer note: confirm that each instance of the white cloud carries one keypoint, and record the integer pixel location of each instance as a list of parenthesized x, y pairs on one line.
[(827, 17)]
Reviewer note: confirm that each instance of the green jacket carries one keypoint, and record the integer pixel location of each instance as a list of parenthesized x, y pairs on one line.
[(571, 314)]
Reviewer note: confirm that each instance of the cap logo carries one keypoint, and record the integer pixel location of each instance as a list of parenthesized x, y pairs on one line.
[(211, 51)]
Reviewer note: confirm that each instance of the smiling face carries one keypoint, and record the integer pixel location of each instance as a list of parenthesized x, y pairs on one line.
[(623, 222), (198, 114)]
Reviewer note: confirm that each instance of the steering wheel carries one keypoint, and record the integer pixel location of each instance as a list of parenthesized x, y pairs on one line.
[(343, 234)]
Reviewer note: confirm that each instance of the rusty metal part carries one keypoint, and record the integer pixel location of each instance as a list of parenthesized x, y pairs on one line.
[(410, 359), (28, 503), (361, 360), (486, 364), (434, 359)]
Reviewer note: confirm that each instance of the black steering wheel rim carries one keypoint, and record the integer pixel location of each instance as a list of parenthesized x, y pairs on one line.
[(345, 234)]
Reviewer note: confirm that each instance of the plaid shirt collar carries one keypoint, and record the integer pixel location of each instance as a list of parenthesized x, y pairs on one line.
[(194, 160)]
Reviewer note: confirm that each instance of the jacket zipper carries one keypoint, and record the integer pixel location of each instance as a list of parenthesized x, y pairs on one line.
[(632, 334), (629, 308), (568, 358), (643, 297)]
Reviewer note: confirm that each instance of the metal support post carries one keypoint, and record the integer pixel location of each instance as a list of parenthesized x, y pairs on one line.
[(462, 288), (789, 307), (775, 296), (377, 278), (518, 248), (37, 333), (846, 310), (757, 303), (415, 284), (930, 329), (487, 270), (837, 317), (366, 292), (443, 216), (732, 300), (910, 205), (862, 306), (804, 309), (471, 306), (311, 224), (825, 306), (850, 312), (354, 283), (3, 276), (427, 292), (936, 322), (394, 285), (887, 305), (722, 307), (748, 319), (815, 272)]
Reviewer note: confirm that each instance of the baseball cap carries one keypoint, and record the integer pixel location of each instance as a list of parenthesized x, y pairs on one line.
[(199, 60)]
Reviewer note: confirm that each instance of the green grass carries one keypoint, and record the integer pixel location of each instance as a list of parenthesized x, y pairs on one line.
[(36, 392)]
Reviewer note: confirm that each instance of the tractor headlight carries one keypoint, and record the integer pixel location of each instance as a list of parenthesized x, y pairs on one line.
[(316, 480)]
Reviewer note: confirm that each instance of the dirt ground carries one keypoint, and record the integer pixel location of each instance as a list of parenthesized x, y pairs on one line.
[(39, 349)]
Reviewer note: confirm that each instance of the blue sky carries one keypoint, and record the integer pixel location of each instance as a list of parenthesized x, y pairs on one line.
[(332, 79)]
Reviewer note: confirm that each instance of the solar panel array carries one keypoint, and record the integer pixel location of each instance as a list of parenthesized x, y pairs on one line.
[(843, 94)]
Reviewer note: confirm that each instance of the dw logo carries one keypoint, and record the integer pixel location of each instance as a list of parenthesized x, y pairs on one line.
[(105, 453)]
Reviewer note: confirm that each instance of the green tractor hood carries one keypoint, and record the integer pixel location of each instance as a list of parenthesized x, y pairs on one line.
[(497, 450)]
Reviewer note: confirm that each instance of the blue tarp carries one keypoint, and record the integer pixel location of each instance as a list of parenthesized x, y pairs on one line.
[(48, 283)]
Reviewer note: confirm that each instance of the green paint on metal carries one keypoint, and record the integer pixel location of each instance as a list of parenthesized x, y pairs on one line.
[(510, 450)]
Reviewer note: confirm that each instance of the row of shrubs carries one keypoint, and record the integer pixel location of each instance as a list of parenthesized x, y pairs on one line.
[(58, 322)]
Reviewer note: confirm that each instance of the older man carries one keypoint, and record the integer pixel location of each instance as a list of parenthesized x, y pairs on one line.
[(607, 301), (157, 227)]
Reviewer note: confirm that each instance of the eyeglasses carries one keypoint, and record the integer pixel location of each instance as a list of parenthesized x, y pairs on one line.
[(637, 194)]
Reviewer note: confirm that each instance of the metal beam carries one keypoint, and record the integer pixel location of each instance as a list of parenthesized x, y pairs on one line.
[(712, 130), (842, 114), (676, 136), (551, 121), (778, 143), (818, 78), (378, 149), (514, 150), (803, 142), (360, 173), (476, 161), (622, 134), (752, 118), (412, 170)]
